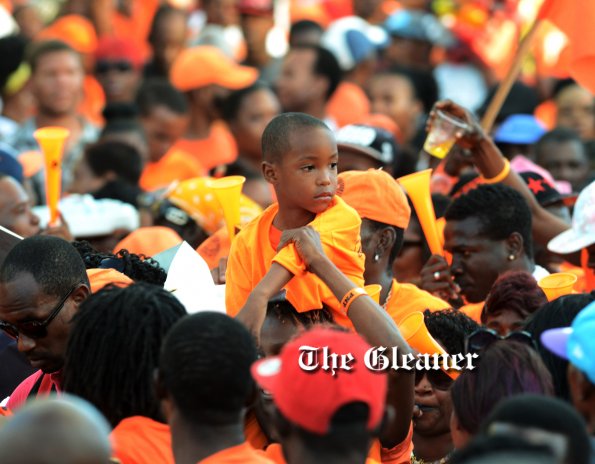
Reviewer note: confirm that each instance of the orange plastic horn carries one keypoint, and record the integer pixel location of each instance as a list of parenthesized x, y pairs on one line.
[(557, 285), (373, 291), (228, 190), (414, 331), (417, 186), (51, 141)]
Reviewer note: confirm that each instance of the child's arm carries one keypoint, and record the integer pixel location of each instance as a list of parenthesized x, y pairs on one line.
[(370, 320), (254, 311)]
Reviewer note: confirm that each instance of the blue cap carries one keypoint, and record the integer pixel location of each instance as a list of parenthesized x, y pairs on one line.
[(10, 166), (575, 343), (418, 25), (521, 129), (352, 40)]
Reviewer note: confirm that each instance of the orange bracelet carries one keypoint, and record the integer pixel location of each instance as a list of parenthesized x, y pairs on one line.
[(500, 177), (350, 297)]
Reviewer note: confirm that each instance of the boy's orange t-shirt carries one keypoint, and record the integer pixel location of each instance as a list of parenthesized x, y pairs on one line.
[(218, 148), (175, 165), (252, 253), (240, 454), (140, 440), (405, 299)]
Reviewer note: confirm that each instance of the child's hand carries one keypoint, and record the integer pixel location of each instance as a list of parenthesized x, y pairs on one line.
[(307, 243)]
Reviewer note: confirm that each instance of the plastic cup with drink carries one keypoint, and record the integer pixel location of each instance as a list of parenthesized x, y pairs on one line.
[(442, 134)]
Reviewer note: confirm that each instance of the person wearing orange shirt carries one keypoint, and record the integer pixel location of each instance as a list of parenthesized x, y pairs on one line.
[(300, 161), (164, 117), (206, 76), (352, 43), (204, 402), (385, 214)]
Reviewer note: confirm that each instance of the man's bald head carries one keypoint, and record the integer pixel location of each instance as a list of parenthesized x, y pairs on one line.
[(56, 431)]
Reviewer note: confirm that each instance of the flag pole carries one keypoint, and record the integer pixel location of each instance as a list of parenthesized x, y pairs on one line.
[(504, 88)]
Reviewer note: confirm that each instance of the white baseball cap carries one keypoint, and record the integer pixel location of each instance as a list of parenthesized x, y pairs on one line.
[(582, 233)]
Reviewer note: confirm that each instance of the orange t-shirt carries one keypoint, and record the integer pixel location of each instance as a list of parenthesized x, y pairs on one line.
[(407, 298), (240, 454), (218, 148), (253, 432), (140, 440), (215, 248), (252, 253), (473, 310), (93, 101), (400, 454), (175, 165), (348, 105)]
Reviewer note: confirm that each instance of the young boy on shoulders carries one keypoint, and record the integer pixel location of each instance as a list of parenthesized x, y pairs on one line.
[(300, 161)]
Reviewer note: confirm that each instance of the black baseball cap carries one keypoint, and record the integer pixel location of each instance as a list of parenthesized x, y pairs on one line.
[(374, 142)]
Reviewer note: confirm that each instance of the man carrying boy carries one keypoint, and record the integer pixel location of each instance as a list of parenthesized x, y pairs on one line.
[(300, 161)]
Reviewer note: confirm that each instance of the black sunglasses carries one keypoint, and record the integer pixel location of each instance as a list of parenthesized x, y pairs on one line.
[(36, 329), (437, 378), (482, 338), (104, 66)]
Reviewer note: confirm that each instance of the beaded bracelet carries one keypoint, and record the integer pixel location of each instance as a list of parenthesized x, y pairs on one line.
[(501, 176)]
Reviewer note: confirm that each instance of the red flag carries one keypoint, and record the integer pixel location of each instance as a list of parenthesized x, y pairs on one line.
[(575, 18)]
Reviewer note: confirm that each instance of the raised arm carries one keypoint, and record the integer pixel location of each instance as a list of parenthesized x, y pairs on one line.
[(370, 320), (254, 311), (491, 164)]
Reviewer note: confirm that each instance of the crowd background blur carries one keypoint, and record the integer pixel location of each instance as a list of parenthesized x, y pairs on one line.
[(163, 100)]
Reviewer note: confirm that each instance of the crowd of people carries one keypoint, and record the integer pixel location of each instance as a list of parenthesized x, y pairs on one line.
[(156, 321)]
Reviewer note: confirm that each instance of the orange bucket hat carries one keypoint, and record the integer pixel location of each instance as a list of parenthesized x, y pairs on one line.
[(375, 195), (205, 65), (75, 30)]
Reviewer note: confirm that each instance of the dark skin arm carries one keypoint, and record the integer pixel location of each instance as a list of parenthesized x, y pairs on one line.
[(489, 161), (370, 320), (254, 312)]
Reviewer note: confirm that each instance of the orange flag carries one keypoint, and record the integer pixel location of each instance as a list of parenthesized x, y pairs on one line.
[(575, 20)]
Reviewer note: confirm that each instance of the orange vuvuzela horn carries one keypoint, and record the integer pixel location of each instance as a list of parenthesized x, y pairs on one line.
[(416, 334), (51, 141), (228, 190), (417, 186)]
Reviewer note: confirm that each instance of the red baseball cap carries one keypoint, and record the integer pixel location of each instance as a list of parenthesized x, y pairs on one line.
[(310, 398)]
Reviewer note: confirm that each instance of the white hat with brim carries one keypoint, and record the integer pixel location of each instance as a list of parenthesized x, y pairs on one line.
[(570, 241), (582, 233)]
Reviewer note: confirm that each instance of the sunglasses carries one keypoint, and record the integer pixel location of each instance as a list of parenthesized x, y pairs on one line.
[(482, 338), (103, 66), (438, 379), (36, 329)]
